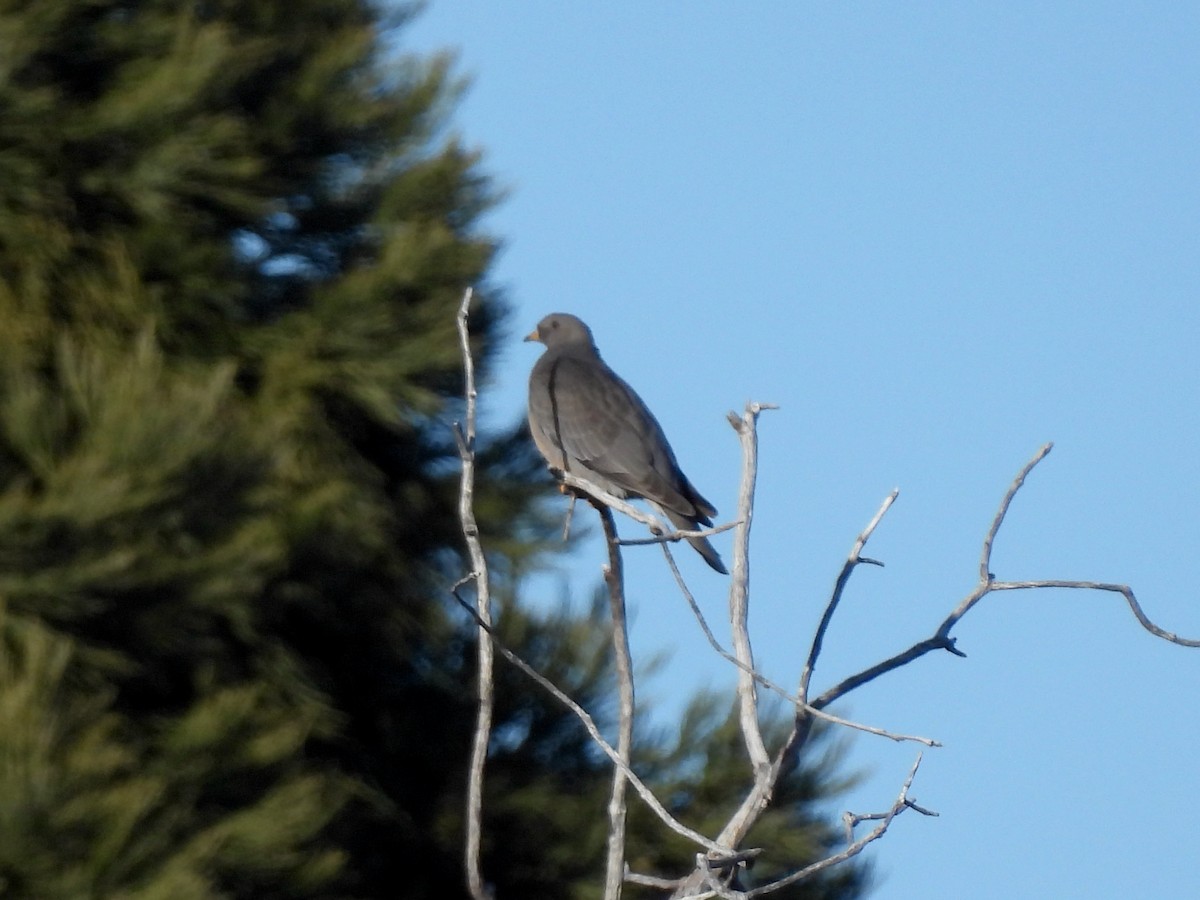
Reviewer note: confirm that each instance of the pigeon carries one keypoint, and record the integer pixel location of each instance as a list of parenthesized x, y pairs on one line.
[(587, 421)]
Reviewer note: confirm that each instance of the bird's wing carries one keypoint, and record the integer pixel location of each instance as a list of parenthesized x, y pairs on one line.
[(586, 411)]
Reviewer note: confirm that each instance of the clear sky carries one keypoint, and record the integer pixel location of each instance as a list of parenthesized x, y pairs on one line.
[(938, 235)]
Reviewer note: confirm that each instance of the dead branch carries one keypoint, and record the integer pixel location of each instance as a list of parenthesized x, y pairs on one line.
[(853, 560), (614, 577), (941, 639), (700, 883), (593, 730), (759, 796), (479, 574), (739, 591)]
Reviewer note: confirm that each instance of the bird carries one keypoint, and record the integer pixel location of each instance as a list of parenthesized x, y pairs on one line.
[(586, 420)]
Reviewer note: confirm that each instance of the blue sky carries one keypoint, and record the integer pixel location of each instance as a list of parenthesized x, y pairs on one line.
[(938, 235)]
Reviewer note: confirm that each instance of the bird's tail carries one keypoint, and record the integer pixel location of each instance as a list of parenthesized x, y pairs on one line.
[(703, 547)]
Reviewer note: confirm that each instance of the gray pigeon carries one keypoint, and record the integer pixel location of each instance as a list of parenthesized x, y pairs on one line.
[(587, 421)]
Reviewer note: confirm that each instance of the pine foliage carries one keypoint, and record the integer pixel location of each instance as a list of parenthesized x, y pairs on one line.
[(233, 236)]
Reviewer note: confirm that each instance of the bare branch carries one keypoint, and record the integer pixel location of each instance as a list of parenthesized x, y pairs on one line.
[(1123, 589), (570, 479), (739, 592), (614, 577), (871, 673), (771, 685), (985, 557), (755, 801), (593, 731), (479, 574), (869, 729), (941, 639), (852, 562)]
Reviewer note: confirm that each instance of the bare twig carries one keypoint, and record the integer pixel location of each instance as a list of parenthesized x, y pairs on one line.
[(985, 556), (566, 534), (479, 574), (614, 577), (570, 479), (852, 562), (676, 536), (751, 807), (662, 533), (919, 649), (766, 772), (885, 820), (696, 880), (654, 881)]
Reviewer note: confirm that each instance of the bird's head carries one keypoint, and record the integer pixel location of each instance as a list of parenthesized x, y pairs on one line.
[(558, 329)]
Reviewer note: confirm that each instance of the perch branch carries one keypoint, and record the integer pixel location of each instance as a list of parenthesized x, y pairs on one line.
[(662, 534), (676, 536), (614, 577)]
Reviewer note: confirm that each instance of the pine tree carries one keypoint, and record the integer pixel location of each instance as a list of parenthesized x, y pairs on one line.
[(231, 243), (232, 240)]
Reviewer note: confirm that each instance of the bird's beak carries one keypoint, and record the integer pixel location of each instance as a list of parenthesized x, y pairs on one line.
[(533, 336)]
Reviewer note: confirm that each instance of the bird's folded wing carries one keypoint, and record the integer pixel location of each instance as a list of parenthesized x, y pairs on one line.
[(598, 421)]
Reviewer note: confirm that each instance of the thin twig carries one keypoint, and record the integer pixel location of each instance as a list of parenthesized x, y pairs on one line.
[(614, 577), (852, 561), (850, 851), (676, 536), (919, 649), (566, 534), (654, 881), (662, 534), (571, 480), (485, 660), (985, 556)]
